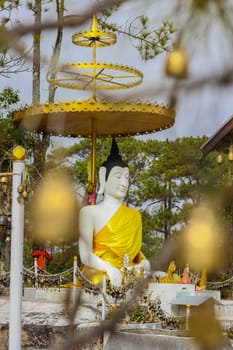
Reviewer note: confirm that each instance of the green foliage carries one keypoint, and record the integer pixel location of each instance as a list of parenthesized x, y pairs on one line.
[(10, 136), (108, 11), (30, 5), (62, 260), (152, 240), (149, 41), (8, 97), (138, 314), (9, 5), (173, 182), (27, 253)]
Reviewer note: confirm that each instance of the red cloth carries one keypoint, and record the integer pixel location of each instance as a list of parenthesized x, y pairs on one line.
[(41, 255)]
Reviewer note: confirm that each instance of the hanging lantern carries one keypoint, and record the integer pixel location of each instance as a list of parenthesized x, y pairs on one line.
[(177, 64), (230, 154), (3, 183), (219, 158)]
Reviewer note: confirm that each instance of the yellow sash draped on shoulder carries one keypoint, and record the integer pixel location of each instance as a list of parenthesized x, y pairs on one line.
[(121, 235)]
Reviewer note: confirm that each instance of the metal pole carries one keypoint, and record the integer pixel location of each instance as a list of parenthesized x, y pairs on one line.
[(16, 262), (93, 152), (187, 317)]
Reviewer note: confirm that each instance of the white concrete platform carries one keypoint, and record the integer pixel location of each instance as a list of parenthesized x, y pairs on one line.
[(41, 312)]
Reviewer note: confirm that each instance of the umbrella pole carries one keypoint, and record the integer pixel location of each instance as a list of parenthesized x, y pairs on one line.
[(93, 153)]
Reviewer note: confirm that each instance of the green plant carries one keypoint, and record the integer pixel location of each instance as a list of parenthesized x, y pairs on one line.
[(138, 314)]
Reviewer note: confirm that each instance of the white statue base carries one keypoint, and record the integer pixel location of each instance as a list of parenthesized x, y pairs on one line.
[(168, 291)]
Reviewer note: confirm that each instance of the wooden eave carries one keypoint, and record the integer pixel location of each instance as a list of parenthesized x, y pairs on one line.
[(221, 140)]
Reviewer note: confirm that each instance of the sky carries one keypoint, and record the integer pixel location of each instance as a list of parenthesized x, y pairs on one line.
[(200, 111)]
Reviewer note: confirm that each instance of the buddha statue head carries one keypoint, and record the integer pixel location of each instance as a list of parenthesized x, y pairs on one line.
[(113, 170)]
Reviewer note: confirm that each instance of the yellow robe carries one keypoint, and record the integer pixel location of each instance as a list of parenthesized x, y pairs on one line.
[(121, 235)]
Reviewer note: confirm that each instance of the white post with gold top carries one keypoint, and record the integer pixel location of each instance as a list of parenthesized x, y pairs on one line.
[(16, 265)]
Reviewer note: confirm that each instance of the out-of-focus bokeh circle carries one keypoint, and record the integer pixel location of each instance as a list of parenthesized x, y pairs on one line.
[(204, 239), (54, 209)]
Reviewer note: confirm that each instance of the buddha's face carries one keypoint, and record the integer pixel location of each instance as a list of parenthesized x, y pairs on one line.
[(117, 183)]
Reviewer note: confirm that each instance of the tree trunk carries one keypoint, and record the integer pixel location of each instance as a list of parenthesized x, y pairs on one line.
[(36, 54), (42, 141), (57, 47)]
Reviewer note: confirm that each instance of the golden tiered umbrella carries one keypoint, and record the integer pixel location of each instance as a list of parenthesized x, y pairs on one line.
[(95, 117)]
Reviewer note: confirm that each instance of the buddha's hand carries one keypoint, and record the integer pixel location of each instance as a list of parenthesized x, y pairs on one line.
[(114, 275), (144, 264)]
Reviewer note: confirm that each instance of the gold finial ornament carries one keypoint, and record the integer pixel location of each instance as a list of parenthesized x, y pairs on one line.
[(177, 64), (18, 153), (94, 37)]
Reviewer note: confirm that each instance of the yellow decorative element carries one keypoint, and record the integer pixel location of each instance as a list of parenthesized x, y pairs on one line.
[(94, 26), (121, 235), (171, 271), (93, 151), (93, 75), (3, 183), (171, 277), (94, 37), (219, 158), (112, 118), (54, 209), (203, 280), (102, 76), (177, 64), (230, 154), (204, 238), (18, 153), (89, 168)]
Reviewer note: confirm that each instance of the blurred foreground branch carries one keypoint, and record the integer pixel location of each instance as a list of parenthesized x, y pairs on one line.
[(85, 336)]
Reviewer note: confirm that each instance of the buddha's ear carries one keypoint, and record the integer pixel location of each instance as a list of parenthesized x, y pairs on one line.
[(102, 174)]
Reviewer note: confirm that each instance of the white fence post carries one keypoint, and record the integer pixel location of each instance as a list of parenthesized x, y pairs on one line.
[(16, 264), (75, 264), (36, 272)]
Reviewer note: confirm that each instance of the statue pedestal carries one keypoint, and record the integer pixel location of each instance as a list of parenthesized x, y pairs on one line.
[(168, 291)]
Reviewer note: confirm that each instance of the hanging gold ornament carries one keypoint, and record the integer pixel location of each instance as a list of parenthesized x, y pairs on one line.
[(219, 158), (230, 154), (177, 64)]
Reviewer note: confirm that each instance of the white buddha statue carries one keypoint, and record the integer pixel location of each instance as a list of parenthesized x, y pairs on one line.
[(110, 230)]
